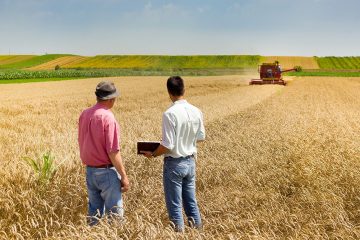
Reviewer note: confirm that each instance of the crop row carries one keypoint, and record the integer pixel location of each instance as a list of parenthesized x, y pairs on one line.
[(23, 74), (338, 62), (322, 73), (90, 73)]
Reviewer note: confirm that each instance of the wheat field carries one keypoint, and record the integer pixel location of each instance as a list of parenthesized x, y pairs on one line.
[(278, 163), (288, 62), (62, 62), (8, 59)]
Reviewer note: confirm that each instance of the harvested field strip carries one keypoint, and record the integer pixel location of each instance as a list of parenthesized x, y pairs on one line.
[(61, 61), (36, 60), (169, 62), (290, 62), (338, 62), (14, 58)]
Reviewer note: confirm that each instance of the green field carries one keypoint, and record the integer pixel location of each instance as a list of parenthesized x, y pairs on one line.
[(10, 59), (338, 62), (325, 74), (33, 61)]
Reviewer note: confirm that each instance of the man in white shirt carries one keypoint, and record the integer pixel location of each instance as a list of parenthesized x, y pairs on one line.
[(182, 128)]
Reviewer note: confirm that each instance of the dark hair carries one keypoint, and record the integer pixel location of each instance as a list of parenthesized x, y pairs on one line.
[(175, 86)]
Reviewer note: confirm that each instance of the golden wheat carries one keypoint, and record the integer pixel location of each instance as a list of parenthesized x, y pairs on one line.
[(62, 62), (279, 162), (289, 62)]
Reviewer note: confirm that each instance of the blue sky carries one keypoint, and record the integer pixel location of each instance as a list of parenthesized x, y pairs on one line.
[(183, 27)]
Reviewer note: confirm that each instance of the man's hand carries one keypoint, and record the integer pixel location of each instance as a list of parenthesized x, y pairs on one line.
[(158, 152), (116, 160), (125, 185), (147, 154)]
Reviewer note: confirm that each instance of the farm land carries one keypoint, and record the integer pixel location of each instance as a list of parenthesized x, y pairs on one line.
[(55, 67), (278, 163)]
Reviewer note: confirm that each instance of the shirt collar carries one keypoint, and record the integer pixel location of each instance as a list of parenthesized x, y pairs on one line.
[(181, 101), (99, 106)]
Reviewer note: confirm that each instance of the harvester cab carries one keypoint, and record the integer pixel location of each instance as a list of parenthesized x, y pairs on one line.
[(270, 73)]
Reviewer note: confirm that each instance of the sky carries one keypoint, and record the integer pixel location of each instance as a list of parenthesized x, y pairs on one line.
[(183, 27)]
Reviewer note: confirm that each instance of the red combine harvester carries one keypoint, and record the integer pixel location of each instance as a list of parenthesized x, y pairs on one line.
[(270, 73)]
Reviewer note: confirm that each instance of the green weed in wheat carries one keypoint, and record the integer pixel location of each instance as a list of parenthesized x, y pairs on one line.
[(44, 167)]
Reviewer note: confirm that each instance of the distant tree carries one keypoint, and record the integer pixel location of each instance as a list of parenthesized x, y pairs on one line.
[(57, 67)]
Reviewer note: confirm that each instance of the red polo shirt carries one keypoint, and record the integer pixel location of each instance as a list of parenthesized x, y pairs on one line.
[(98, 135)]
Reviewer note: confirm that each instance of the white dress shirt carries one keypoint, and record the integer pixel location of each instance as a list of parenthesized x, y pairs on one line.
[(182, 127)]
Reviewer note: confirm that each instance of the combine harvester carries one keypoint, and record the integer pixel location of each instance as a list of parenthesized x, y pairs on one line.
[(270, 73)]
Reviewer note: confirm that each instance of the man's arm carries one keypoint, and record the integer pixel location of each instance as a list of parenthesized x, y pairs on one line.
[(116, 160), (200, 137), (168, 137)]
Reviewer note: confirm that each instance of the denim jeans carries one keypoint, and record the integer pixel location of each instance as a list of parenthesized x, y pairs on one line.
[(179, 188), (104, 192)]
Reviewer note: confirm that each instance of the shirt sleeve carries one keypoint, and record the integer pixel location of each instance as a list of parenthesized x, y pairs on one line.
[(201, 133), (168, 131), (112, 131)]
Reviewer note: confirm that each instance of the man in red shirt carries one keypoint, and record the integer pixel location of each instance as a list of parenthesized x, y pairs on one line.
[(99, 147)]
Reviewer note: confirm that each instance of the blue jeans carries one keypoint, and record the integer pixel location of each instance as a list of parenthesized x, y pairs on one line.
[(104, 192), (179, 188)]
